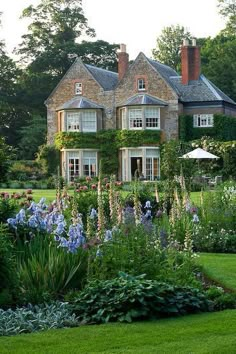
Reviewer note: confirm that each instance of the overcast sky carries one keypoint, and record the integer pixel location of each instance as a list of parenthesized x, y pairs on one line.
[(137, 23)]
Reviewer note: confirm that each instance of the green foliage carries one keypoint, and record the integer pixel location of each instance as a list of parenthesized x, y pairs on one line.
[(25, 170), (128, 298), (107, 142), (138, 249), (8, 278), (227, 8), (6, 153), (8, 208), (224, 128), (218, 53), (36, 318), (220, 299), (32, 136), (49, 159), (168, 44), (46, 271)]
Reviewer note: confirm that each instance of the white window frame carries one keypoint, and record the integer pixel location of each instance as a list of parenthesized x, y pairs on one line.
[(148, 115), (73, 122), (91, 118), (154, 118), (135, 120), (141, 84), (78, 88), (146, 153), (76, 121), (77, 159), (203, 120)]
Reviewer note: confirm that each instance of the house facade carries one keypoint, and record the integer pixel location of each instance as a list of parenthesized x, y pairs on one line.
[(144, 97)]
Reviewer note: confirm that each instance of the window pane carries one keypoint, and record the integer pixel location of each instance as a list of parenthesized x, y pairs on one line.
[(72, 121), (152, 117), (89, 121), (73, 168), (135, 119)]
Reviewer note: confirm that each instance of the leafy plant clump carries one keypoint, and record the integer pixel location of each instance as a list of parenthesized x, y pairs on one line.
[(36, 318), (128, 298)]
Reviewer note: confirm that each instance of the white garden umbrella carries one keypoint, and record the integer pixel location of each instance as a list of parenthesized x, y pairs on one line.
[(199, 154)]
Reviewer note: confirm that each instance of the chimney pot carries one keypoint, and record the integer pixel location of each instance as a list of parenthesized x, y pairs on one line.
[(185, 42), (123, 48)]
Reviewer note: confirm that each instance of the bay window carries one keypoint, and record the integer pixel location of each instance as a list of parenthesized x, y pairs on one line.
[(140, 118), (81, 121)]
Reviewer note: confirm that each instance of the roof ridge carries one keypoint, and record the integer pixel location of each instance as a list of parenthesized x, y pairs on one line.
[(209, 85), (102, 69)]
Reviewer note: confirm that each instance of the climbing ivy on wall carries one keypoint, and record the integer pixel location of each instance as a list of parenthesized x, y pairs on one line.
[(108, 143), (224, 128)]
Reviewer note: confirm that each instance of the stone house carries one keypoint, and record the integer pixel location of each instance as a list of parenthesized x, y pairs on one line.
[(144, 96)]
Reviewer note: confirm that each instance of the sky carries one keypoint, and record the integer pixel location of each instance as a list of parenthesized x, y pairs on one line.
[(136, 23)]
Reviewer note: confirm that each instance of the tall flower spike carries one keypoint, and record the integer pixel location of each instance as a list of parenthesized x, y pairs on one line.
[(101, 216)]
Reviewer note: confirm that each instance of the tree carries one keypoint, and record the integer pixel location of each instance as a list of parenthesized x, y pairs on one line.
[(218, 62), (227, 9), (32, 136), (168, 44), (6, 153)]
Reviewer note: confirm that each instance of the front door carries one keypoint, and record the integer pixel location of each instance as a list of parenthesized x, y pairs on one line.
[(136, 166)]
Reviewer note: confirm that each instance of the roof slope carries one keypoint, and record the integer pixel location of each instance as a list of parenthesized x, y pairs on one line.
[(201, 90), (144, 99), (107, 79), (79, 102)]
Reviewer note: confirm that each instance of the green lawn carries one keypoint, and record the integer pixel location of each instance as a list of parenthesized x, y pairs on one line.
[(50, 194), (220, 267), (204, 333)]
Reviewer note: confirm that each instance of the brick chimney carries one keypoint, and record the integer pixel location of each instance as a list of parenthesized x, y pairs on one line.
[(123, 61), (190, 61)]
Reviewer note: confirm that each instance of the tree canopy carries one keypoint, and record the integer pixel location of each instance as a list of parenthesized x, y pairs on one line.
[(168, 44)]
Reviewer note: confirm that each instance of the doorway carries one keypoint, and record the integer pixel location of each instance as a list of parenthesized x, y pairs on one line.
[(136, 166)]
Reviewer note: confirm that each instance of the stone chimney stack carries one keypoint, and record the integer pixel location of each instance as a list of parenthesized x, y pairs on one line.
[(190, 61), (123, 61)]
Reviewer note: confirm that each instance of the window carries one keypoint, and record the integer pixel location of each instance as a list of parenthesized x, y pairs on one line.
[(151, 168), (73, 122), (78, 88), (83, 121), (73, 166), (203, 120), (89, 163), (141, 85), (89, 121), (152, 118), (141, 118), (135, 119)]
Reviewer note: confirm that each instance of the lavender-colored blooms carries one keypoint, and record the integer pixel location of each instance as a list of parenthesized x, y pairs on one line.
[(93, 213), (108, 236)]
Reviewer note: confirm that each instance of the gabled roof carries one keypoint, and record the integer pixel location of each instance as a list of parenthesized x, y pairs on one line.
[(79, 102), (107, 79), (201, 90), (143, 99), (165, 71)]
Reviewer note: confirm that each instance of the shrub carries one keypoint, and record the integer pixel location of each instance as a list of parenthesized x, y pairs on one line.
[(220, 299), (8, 207), (8, 278), (36, 318), (128, 298), (46, 271)]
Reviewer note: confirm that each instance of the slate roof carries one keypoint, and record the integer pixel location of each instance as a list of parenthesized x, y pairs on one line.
[(143, 99), (107, 79), (79, 102), (201, 90)]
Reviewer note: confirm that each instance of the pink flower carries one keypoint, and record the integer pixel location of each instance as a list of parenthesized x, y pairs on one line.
[(107, 185), (85, 188), (88, 178), (93, 186), (29, 191)]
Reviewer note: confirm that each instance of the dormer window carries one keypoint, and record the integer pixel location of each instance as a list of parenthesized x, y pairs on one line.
[(141, 85), (78, 88)]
